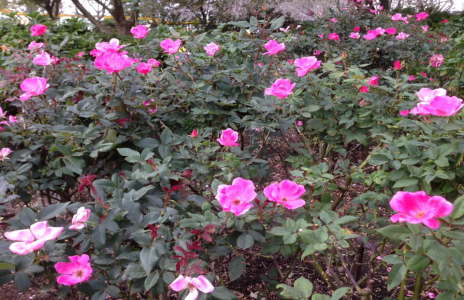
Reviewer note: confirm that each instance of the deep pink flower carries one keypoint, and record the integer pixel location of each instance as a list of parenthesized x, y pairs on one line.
[(273, 47), (139, 31), (113, 62), (38, 29), (211, 49), (281, 88), (402, 36), (80, 218), (4, 152), (194, 133), (169, 46), (422, 16), (153, 62), (364, 89), (333, 36), (436, 60), (333, 20), (374, 80), (390, 30), (317, 52), (397, 65), (143, 68), (444, 21), (193, 285), (356, 29), (299, 123), (306, 64), (435, 103), (32, 239), (33, 86), (104, 47), (418, 207), (228, 138), (77, 270), (286, 193), (34, 46), (236, 198), (370, 35), (355, 35), (411, 77), (42, 59)]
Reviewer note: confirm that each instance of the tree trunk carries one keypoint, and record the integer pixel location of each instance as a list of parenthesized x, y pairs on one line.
[(100, 27), (386, 4), (123, 25)]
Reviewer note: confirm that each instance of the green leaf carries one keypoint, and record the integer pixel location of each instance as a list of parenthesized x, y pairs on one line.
[(245, 241), (289, 292), (277, 23), (52, 211), (148, 258), (223, 293), (395, 232), (6, 266), (74, 164), (405, 183), (458, 210), (396, 275), (237, 268), (339, 293), (151, 280), (131, 156), (304, 286), (418, 263), (22, 281), (281, 231), (320, 297)]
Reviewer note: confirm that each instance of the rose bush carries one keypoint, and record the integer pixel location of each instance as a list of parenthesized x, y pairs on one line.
[(146, 166)]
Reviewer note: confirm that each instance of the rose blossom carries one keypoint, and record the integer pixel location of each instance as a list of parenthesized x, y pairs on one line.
[(170, 46), (286, 193), (42, 59), (228, 138), (402, 36), (77, 270), (333, 36), (80, 218), (139, 31), (236, 198), (143, 68), (193, 284), (211, 49), (4, 152), (306, 64), (355, 35), (273, 47), (281, 88), (34, 46), (436, 60), (38, 29), (33, 86)]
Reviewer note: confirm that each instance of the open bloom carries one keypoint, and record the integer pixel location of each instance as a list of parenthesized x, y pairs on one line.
[(273, 47), (436, 60), (193, 285), (397, 65), (333, 36), (169, 46), (38, 29), (32, 239), (306, 64), (355, 35), (77, 270), (113, 61), (370, 35), (390, 30), (286, 193), (236, 198), (418, 207), (374, 80), (435, 103), (42, 59), (281, 88), (153, 62), (211, 49), (34, 46), (80, 218), (4, 152), (402, 36), (143, 68), (399, 17), (228, 138), (139, 31), (33, 86), (364, 89), (422, 16)]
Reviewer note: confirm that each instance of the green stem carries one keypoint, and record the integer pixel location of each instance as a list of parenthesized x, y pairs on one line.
[(402, 289), (417, 286)]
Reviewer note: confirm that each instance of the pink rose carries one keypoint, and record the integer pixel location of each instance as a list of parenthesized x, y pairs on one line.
[(355, 35), (281, 88), (38, 29), (34, 46), (4, 152), (374, 80), (80, 218), (33, 86), (402, 36), (273, 47), (193, 284), (139, 31), (236, 198), (211, 49), (333, 36), (436, 60), (74, 272), (170, 46), (228, 138), (364, 89), (153, 62), (422, 16), (397, 65), (143, 68), (390, 30), (42, 59), (306, 64), (286, 193)]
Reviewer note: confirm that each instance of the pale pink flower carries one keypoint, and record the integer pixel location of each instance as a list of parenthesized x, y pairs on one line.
[(113, 61), (273, 47), (38, 29), (333, 36), (2, 113), (399, 17), (286, 29), (374, 80), (418, 207), (211, 49), (143, 68), (425, 28), (397, 65), (236, 198), (170, 46), (364, 89), (153, 62), (422, 16), (355, 35), (426, 95), (281, 88), (33, 86), (140, 31), (431, 295), (34, 46), (333, 20), (436, 60), (286, 193), (193, 284), (321, 35), (32, 239), (77, 270), (80, 218), (4, 152), (379, 31), (12, 119), (370, 35), (103, 47), (42, 59), (390, 30), (306, 64), (441, 106), (402, 36), (228, 138)]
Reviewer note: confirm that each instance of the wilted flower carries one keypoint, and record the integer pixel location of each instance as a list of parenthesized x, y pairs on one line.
[(38, 29), (211, 49), (281, 88), (193, 285), (228, 138), (170, 46), (33, 86), (139, 31), (418, 207), (273, 47), (77, 270), (436, 60), (80, 218), (306, 64), (286, 193), (32, 239), (236, 198)]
